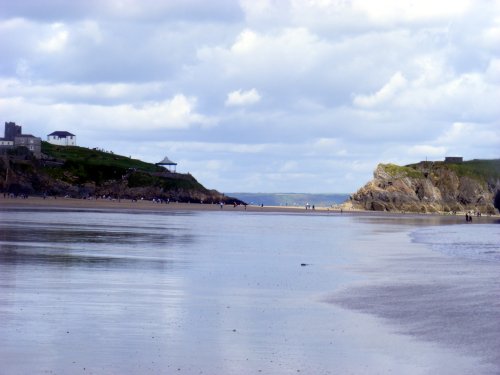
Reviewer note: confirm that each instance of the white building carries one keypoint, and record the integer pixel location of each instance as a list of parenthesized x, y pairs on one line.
[(62, 138)]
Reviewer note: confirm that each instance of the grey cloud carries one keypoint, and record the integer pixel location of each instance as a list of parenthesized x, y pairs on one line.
[(341, 85), (139, 10)]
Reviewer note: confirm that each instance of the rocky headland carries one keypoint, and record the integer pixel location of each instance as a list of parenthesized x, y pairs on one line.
[(432, 187), (80, 172)]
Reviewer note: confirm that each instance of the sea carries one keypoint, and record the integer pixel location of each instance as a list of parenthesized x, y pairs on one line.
[(225, 292), (291, 199)]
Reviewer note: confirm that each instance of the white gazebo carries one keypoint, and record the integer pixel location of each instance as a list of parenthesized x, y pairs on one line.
[(168, 164)]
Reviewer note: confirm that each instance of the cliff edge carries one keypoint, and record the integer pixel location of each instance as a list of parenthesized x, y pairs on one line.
[(80, 172), (432, 187)]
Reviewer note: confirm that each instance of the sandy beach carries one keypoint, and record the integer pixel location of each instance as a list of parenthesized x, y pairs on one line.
[(147, 205), (127, 204)]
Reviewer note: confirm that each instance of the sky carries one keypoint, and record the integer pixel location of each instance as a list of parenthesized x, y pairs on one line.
[(258, 95)]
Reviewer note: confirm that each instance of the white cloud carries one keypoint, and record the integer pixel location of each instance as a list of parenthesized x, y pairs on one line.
[(462, 134), (56, 41), (388, 11), (246, 42), (326, 143), (386, 93), (92, 30), (422, 151), (493, 71), (175, 113), (266, 57), (23, 69), (41, 92), (215, 147), (242, 98)]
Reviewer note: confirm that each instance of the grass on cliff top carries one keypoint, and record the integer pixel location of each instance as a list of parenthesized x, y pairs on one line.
[(477, 168), (95, 157), (82, 165), (480, 169), (401, 172)]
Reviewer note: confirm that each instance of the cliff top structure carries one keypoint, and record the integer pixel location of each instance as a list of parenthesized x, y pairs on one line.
[(14, 137), (62, 138)]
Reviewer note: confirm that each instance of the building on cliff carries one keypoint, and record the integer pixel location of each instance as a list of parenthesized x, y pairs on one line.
[(62, 138), (453, 159), (14, 137)]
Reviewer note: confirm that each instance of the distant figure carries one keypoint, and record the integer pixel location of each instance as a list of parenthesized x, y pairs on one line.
[(467, 217), (221, 205), (314, 207)]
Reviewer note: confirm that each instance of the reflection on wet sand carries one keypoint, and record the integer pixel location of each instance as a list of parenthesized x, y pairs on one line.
[(224, 292)]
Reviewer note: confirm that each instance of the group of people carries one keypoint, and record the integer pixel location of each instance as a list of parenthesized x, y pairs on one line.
[(468, 216)]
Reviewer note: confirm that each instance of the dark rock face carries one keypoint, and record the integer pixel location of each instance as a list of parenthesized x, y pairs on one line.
[(427, 187), (497, 200)]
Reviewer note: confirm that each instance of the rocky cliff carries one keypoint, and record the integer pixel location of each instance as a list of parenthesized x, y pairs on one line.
[(432, 187), (80, 173)]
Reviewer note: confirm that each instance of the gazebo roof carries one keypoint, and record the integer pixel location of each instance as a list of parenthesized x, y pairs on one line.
[(166, 161)]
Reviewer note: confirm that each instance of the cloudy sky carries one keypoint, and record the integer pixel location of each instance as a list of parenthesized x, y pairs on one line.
[(258, 95)]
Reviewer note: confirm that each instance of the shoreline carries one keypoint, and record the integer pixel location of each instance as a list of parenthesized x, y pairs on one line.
[(141, 205), (147, 205)]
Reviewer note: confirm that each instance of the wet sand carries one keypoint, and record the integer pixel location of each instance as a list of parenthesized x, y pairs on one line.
[(446, 299), (127, 204), (117, 287)]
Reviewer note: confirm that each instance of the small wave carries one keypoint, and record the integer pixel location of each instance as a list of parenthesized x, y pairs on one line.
[(479, 242)]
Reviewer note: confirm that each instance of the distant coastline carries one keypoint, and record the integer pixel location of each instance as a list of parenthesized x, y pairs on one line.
[(292, 199)]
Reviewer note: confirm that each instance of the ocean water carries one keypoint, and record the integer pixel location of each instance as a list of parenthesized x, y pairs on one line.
[(103, 292)]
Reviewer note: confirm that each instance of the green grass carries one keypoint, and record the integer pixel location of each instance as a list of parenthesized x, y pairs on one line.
[(183, 182), (82, 165), (479, 169), (90, 165), (96, 158), (401, 172)]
